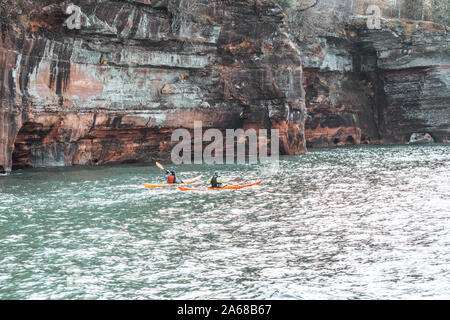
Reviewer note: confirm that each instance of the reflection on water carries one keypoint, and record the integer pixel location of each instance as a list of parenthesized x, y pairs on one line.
[(346, 223)]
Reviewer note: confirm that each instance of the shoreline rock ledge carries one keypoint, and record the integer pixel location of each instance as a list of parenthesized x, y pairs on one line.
[(114, 90)]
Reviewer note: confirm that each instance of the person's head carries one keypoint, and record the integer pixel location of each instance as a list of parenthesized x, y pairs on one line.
[(216, 173), (172, 172)]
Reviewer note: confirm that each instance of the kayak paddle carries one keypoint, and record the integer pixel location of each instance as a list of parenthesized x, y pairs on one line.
[(159, 165)]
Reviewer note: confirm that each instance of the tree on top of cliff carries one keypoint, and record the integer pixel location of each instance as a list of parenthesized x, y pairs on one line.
[(301, 5), (430, 10), (439, 11), (331, 17), (10, 10), (287, 3), (181, 11)]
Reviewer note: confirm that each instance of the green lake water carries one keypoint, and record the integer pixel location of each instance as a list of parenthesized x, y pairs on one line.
[(346, 223)]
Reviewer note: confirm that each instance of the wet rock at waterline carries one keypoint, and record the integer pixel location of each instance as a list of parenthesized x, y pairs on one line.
[(377, 86), (114, 90)]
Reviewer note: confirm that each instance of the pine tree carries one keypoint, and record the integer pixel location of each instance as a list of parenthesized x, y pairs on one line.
[(439, 11), (287, 4)]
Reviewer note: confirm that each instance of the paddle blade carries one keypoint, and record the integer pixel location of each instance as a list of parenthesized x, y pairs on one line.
[(159, 165)]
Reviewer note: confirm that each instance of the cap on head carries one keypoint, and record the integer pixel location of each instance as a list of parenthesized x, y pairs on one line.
[(216, 173), (172, 172)]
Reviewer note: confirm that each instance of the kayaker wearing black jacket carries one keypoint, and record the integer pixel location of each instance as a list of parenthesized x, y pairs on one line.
[(215, 181), (171, 177)]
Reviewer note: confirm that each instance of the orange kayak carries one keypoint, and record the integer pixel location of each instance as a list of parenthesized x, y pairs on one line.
[(151, 186), (230, 187)]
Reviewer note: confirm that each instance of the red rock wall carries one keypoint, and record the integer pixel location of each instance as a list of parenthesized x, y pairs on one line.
[(377, 86), (115, 90), (341, 109)]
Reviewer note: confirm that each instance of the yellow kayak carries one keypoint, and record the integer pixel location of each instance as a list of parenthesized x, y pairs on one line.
[(151, 186)]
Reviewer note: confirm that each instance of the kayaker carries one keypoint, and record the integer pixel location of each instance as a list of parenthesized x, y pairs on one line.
[(215, 181), (171, 177)]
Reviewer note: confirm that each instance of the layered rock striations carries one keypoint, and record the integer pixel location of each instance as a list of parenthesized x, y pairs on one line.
[(368, 86), (114, 90), (413, 66)]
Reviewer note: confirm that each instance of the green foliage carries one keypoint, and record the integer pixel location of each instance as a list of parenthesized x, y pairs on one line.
[(412, 9), (439, 11), (429, 10), (287, 4)]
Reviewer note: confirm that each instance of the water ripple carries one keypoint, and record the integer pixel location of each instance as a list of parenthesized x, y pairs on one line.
[(347, 223)]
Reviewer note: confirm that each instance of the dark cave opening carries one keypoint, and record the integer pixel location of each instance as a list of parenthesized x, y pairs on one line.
[(350, 140), (29, 135)]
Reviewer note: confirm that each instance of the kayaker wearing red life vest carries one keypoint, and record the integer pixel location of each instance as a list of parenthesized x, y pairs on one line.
[(171, 177)]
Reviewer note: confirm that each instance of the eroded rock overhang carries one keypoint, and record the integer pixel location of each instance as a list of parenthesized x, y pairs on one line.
[(114, 90)]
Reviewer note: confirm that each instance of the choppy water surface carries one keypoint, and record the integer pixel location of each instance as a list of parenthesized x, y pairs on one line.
[(346, 223)]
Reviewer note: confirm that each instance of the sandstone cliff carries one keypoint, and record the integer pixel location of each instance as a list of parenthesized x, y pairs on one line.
[(114, 90), (372, 86)]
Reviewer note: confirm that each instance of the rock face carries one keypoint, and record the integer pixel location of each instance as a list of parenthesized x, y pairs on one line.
[(341, 102), (114, 90), (413, 63), (377, 86)]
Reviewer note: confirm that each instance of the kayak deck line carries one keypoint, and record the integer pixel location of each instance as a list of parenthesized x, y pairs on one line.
[(230, 187), (152, 186)]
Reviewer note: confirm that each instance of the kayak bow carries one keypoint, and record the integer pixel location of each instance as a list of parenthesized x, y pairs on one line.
[(230, 187), (151, 186)]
